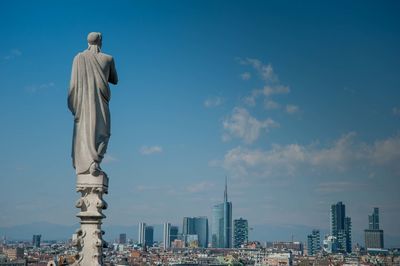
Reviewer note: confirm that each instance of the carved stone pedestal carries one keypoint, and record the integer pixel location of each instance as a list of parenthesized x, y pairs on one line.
[(89, 237)]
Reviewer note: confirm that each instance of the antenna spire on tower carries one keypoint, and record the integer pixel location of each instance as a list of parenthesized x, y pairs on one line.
[(226, 190)]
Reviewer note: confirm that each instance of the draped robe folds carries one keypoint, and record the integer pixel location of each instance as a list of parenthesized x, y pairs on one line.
[(88, 99)]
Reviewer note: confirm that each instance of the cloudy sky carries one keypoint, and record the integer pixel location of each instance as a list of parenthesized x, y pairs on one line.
[(298, 103)]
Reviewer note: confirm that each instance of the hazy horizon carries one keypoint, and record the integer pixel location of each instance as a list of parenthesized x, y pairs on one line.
[(297, 103)]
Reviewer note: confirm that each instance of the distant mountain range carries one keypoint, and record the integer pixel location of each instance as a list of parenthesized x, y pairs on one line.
[(261, 233)]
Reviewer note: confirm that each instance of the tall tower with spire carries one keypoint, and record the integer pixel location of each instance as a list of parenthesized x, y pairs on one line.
[(221, 231), (226, 190)]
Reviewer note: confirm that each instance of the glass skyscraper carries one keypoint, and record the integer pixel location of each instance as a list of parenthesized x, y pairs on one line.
[(149, 236), (196, 226), (341, 227), (122, 238), (173, 233), (373, 220), (373, 235), (36, 241), (222, 223)]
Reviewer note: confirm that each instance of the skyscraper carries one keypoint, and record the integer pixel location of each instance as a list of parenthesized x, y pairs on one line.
[(142, 234), (313, 243), (373, 220), (341, 227), (36, 241), (196, 226), (173, 233), (347, 231), (241, 232), (149, 236), (167, 235), (222, 223), (373, 235), (122, 238), (188, 226)]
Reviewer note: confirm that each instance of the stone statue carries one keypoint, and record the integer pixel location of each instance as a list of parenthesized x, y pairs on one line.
[(88, 99)]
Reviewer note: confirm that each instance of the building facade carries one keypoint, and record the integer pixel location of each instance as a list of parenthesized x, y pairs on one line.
[(36, 241), (173, 233), (341, 227), (241, 232), (313, 243), (122, 239), (196, 226), (166, 235), (142, 234), (373, 220), (373, 235), (149, 236), (221, 236)]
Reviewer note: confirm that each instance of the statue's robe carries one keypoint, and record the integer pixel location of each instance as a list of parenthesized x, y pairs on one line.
[(88, 99)]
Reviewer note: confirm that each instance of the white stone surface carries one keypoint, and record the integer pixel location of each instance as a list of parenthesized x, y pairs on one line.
[(89, 237), (88, 98)]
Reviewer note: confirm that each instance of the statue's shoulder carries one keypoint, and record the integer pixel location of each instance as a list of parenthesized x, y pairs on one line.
[(106, 57), (78, 55)]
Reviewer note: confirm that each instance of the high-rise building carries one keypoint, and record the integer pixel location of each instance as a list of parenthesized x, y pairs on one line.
[(149, 236), (241, 232), (341, 227), (188, 226), (196, 226), (166, 235), (314, 243), (142, 234), (122, 238), (173, 233), (222, 223), (347, 231), (373, 220), (36, 241), (373, 235)]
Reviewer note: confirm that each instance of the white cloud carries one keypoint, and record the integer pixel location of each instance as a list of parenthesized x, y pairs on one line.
[(213, 102), (251, 99), (244, 162), (338, 186), (37, 88), (344, 155), (13, 54), (266, 72), (292, 109), (245, 76), (271, 82), (147, 150), (270, 104), (396, 111), (200, 187), (244, 126), (278, 89), (266, 92), (386, 152)]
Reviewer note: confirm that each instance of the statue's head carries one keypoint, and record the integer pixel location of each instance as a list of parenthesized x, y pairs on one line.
[(94, 38)]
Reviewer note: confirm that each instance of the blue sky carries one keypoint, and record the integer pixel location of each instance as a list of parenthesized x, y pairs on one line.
[(296, 102)]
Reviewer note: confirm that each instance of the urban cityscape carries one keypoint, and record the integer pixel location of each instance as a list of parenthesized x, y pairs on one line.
[(224, 241), (200, 132)]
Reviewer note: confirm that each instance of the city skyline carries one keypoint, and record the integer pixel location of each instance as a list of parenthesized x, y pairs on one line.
[(297, 103)]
